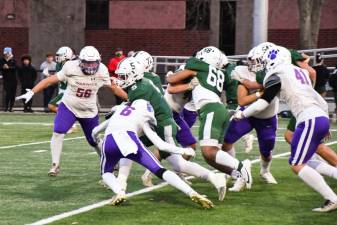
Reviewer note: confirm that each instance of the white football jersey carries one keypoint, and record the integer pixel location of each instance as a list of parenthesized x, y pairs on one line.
[(80, 97), (297, 91), (176, 101), (272, 108), (131, 117)]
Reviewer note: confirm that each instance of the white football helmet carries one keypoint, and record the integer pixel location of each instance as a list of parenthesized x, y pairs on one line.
[(145, 59), (276, 56), (256, 54), (89, 60), (128, 71), (213, 56), (64, 54)]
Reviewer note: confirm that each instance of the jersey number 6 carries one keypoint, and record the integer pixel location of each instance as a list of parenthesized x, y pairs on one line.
[(83, 93), (216, 78)]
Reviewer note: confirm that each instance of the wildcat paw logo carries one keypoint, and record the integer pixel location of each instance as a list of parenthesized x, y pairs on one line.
[(272, 54)]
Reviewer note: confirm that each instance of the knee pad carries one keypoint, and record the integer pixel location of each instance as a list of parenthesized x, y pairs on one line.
[(160, 173)]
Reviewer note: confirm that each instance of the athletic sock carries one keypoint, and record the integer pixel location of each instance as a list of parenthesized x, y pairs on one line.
[(110, 180), (225, 159), (175, 181), (312, 178), (180, 164), (232, 152), (125, 166), (323, 168), (265, 166), (56, 147)]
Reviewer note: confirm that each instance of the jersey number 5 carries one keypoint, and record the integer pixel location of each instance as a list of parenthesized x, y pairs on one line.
[(83, 93), (216, 78)]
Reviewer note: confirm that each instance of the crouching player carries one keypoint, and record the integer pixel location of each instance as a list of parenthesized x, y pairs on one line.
[(293, 85), (121, 141)]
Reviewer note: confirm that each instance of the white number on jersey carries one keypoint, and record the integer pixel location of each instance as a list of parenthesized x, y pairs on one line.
[(216, 78)]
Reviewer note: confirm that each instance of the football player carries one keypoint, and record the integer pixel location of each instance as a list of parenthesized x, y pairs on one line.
[(84, 77), (213, 115), (294, 86), (130, 78), (121, 141)]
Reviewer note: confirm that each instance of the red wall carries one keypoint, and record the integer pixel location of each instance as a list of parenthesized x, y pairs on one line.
[(17, 38), (156, 42)]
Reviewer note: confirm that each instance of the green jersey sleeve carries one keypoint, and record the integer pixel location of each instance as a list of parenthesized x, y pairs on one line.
[(295, 56), (260, 76), (155, 79)]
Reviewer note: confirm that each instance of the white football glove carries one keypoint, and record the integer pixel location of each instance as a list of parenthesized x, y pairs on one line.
[(45, 72), (238, 115), (188, 152), (193, 83), (169, 73), (236, 76), (28, 96)]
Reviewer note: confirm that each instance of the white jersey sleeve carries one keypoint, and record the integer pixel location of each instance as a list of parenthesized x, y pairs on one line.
[(244, 73), (62, 74)]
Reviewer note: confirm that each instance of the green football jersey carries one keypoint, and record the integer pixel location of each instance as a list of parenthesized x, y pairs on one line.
[(209, 77), (62, 84), (155, 79), (231, 87), (144, 89)]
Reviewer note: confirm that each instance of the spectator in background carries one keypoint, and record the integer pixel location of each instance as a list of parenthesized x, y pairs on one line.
[(322, 75), (119, 56), (27, 75), (48, 92), (8, 70)]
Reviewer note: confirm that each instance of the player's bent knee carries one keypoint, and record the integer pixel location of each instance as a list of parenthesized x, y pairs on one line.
[(160, 173)]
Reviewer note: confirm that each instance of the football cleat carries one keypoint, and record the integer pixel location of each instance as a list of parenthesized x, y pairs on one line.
[(248, 141), (327, 207), (268, 178), (247, 173), (239, 185), (201, 200), (147, 179), (54, 170), (118, 199), (219, 182)]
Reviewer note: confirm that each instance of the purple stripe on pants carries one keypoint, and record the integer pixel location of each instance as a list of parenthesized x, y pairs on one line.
[(111, 155), (65, 119), (319, 128), (184, 135)]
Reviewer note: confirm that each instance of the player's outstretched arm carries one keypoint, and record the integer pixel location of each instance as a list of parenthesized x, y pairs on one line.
[(100, 128), (244, 98), (118, 91), (164, 146), (251, 84), (43, 84), (312, 72), (180, 76)]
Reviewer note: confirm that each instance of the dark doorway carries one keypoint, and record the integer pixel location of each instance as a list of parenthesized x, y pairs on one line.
[(227, 27)]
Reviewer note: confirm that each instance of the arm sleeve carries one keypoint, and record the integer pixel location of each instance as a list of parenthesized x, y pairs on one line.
[(157, 141), (61, 75), (100, 128)]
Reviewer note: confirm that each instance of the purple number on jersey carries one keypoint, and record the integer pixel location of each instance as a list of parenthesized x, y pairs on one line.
[(301, 76), (127, 111)]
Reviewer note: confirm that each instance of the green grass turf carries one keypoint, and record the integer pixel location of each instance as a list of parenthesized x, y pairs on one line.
[(27, 194)]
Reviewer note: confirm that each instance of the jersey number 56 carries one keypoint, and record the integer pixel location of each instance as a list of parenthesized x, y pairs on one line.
[(83, 93)]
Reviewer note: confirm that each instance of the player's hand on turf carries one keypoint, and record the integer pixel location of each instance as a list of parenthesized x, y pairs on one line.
[(28, 96), (238, 115), (189, 152)]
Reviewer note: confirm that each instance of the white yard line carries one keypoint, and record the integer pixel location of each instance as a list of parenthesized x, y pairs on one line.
[(37, 143), (39, 151), (26, 123)]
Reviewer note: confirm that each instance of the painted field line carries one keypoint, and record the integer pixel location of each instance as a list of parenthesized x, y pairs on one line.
[(38, 143), (106, 202), (26, 123), (39, 151)]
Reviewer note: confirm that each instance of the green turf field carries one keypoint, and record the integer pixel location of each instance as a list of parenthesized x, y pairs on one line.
[(27, 194)]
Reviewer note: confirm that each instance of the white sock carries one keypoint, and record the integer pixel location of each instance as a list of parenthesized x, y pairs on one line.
[(125, 166), (110, 180), (98, 148), (180, 164), (265, 166), (312, 178), (232, 151), (56, 147), (176, 182), (225, 159), (323, 168)]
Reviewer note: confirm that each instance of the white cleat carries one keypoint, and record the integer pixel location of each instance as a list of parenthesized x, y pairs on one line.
[(268, 178), (201, 200), (220, 183), (118, 199), (54, 170), (248, 140), (247, 173), (147, 179), (238, 186), (327, 207)]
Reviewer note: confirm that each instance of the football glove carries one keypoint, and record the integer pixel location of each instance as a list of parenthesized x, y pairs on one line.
[(28, 96)]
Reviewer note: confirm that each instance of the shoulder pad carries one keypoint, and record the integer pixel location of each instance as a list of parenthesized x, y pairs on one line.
[(272, 80)]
